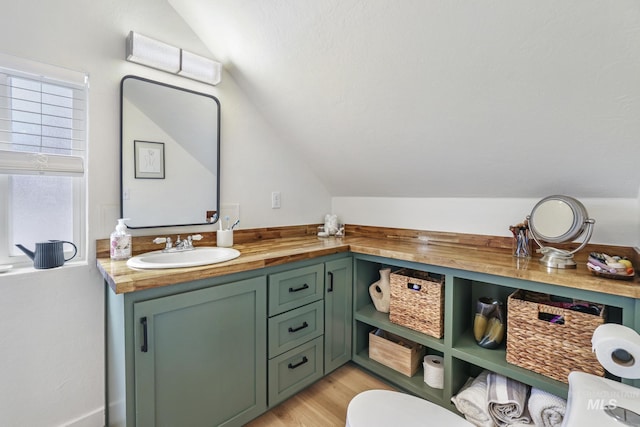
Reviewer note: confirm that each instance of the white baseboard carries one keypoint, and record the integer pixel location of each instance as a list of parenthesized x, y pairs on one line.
[(92, 419)]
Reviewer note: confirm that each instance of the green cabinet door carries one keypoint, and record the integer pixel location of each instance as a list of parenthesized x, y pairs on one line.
[(200, 356), (338, 313)]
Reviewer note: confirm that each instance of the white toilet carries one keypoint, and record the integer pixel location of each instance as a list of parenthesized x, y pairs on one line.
[(593, 402), (600, 402), (384, 408)]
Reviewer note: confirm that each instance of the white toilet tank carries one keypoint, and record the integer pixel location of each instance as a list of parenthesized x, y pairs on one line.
[(600, 402), (384, 408)]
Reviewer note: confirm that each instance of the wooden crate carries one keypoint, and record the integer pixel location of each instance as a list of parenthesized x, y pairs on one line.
[(417, 301), (397, 353), (550, 349)]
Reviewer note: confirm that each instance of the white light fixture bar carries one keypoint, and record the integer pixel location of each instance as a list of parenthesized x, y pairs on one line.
[(152, 53), (198, 67), (155, 54)]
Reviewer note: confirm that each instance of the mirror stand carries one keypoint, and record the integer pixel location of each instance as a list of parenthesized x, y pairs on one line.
[(560, 258)]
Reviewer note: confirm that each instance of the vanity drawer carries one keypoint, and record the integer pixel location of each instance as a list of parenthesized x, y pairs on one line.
[(294, 370), (295, 327), (295, 288)]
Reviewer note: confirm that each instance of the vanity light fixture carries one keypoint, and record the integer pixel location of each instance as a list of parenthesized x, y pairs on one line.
[(199, 68), (156, 54), (152, 53)]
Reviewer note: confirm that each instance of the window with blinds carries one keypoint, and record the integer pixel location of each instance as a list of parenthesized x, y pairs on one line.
[(43, 141)]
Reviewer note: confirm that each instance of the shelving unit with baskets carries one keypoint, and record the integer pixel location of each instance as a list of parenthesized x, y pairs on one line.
[(462, 356)]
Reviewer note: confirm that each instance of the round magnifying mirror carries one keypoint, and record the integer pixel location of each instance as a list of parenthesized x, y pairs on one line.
[(559, 219)]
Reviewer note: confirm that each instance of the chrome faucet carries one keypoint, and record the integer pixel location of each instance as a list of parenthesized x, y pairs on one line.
[(184, 244), (180, 244)]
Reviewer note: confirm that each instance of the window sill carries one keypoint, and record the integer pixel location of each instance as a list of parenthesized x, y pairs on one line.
[(22, 269)]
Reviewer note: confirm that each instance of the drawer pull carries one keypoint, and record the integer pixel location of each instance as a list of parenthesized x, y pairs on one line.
[(330, 281), (143, 322), (304, 360), (304, 325), (301, 288)]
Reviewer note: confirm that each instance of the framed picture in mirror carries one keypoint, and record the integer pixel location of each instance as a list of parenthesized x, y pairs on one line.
[(149, 159)]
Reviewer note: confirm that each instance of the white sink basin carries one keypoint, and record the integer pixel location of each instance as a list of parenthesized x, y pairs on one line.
[(199, 256)]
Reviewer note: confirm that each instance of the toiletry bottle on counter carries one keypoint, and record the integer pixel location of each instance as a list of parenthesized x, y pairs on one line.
[(120, 241)]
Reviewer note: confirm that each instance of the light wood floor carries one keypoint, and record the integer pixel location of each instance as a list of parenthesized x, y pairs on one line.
[(323, 404)]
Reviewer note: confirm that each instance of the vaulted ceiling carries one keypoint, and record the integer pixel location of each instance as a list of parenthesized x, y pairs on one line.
[(441, 98)]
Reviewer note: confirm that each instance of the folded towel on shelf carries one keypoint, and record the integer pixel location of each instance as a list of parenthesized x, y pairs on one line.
[(546, 409), (471, 401), (507, 400)]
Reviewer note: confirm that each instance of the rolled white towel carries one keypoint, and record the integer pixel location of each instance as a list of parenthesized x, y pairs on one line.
[(471, 401), (507, 400), (546, 409)]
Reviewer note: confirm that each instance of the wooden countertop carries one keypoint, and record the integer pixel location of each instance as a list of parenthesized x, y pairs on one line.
[(483, 254), (253, 256)]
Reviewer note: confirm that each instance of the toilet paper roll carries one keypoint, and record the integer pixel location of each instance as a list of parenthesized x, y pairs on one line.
[(434, 371), (617, 348)]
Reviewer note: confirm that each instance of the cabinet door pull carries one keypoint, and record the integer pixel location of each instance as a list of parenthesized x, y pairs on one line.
[(304, 360), (304, 325), (330, 273), (301, 288), (143, 322)]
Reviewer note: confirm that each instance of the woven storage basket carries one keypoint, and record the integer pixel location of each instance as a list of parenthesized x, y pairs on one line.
[(417, 301), (550, 349)]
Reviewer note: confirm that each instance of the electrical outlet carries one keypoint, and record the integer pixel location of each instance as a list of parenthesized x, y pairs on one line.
[(275, 200)]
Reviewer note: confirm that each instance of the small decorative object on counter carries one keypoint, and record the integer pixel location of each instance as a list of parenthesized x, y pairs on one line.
[(611, 267), (380, 291), (120, 241), (521, 242), (488, 325), (331, 227)]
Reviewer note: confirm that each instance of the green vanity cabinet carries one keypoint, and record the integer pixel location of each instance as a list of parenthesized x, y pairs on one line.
[(310, 311), (192, 354), (462, 356), (338, 308), (200, 359), (296, 330), (221, 351)]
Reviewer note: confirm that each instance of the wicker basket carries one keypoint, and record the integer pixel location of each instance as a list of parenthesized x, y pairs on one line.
[(417, 301), (550, 349)]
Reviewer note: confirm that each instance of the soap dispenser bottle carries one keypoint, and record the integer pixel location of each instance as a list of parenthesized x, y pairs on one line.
[(120, 241)]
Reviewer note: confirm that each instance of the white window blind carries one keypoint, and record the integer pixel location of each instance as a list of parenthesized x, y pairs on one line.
[(43, 145), (42, 125)]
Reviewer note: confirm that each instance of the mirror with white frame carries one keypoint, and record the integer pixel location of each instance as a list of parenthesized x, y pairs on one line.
[(170, 155)]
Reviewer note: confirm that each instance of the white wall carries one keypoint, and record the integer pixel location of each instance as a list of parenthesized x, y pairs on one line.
[(617, 220), (51, 322)]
